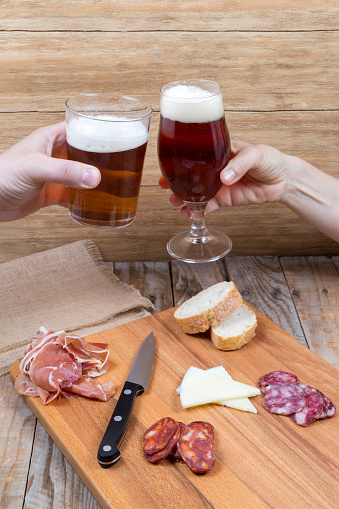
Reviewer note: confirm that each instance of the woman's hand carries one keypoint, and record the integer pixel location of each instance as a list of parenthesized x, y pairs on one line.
[(255, 174), (259, 174), (34, 173)]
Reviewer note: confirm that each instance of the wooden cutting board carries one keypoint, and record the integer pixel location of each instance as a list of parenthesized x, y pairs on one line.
[(263, 460)]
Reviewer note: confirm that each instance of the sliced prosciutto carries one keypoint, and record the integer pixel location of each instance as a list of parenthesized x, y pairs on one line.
[(56, 364)]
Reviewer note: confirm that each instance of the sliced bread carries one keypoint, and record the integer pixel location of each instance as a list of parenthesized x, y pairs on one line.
[(237, 330), (208, 307)]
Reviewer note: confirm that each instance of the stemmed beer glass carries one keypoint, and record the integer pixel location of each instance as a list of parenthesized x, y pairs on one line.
[(193, 148)]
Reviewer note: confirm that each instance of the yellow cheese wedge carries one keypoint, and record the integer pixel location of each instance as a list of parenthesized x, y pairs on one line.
[(243, 404), (199, 387)]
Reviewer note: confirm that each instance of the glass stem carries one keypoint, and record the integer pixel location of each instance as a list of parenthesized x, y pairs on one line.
[(198, 233)]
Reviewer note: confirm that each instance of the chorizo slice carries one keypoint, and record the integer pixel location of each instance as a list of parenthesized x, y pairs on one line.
[(197, 450), (313, 407), (206, 427), (285, 399), (157, 437), (163, 453), (174, 454), (266, 382)]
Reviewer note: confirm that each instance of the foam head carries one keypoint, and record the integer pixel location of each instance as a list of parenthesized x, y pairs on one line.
[(191, 104), (105, 133)]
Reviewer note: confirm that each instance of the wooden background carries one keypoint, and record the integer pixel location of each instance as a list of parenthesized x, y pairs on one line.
[(277, 63)]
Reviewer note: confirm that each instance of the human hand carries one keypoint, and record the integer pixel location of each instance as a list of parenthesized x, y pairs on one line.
[(34, 173), (256, 174)]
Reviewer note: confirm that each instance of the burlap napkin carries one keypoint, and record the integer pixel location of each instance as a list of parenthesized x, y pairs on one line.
[(68, 288)]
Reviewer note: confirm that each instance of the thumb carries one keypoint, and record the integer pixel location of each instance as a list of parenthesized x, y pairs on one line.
[(247, 158), (43, 168)]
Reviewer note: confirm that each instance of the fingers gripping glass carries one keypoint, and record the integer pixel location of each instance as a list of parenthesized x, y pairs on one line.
[(193, 147)]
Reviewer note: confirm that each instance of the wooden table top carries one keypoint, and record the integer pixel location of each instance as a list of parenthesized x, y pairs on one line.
[(300, 294), (277, 63)]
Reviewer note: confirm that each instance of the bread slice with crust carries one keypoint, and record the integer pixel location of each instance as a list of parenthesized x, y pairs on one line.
[(208, 307), (237, 330)]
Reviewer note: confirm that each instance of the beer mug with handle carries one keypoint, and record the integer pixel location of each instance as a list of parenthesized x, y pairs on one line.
[(111, 133)]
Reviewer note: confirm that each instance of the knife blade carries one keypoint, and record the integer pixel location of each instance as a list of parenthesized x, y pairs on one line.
[(136, 384)]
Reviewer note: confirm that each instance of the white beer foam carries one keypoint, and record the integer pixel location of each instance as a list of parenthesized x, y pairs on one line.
[(94, 135), (188, 103)]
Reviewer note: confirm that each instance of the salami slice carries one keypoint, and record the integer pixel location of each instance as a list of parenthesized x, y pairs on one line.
[(266, 382), (331, 409), (328, 407), (197, 450), (313, 406), (157, 437), (174, 454), (285, 399), (163, 453)]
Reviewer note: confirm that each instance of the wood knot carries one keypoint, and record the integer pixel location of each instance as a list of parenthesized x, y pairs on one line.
[(296, 293), (276, 293), (324, 291), (191, 293)]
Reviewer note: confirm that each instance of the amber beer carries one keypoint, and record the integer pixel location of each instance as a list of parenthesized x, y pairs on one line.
[(117, 146), (193, 143)]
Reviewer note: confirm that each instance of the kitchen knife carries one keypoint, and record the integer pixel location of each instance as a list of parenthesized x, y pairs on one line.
[(136, 384)]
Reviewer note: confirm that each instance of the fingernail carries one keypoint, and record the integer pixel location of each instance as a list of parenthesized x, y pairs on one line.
[(90, 177), (228, 176)]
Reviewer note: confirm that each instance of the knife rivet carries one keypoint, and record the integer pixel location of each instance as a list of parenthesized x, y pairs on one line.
[(127, 391), (107, 448), (117, 418)]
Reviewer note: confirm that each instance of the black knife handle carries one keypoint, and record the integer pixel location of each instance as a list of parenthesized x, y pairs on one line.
[(108, 452)]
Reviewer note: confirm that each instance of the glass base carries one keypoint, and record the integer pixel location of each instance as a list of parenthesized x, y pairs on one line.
[(101, 224), (191, 250)]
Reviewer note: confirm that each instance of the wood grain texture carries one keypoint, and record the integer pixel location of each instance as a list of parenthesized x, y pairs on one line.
[(314, 287), (287, 461), (17, 428), (258, 70), (262, 283), (52, 482), (147, 237), (47, 463), (267, 229), (279, 88), (190, 279), (152, 279), (197, 15), (307, 134), (335, 260), (46, 455)]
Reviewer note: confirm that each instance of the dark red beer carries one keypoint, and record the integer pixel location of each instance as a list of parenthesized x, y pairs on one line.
[(193, 148), (192, 155)]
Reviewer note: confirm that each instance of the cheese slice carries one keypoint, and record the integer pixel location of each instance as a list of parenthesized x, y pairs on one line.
[(243, 404), (199, 387)]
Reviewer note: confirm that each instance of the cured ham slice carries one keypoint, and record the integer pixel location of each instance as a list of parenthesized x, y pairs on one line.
[(85, 386), (56, 364)]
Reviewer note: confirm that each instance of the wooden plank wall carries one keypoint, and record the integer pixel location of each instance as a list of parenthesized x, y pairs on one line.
[(277, 63)]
